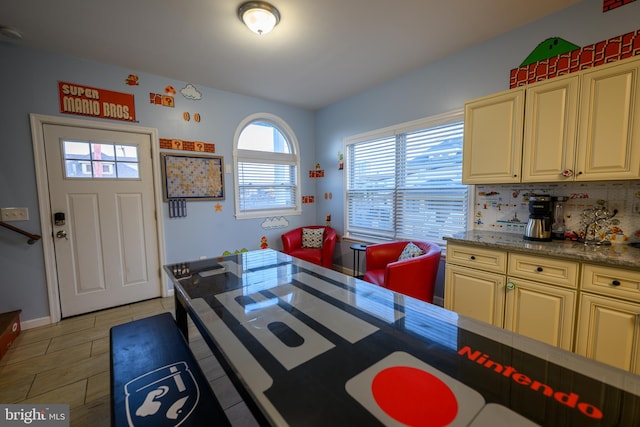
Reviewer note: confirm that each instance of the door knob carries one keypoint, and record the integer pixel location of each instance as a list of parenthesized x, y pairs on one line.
[(62, 235)]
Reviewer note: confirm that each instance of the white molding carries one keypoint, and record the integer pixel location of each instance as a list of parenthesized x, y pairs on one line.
[(37, 133), (34, 323)]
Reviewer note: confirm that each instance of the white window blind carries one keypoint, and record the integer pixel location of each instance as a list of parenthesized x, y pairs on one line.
[(407, 184), (267, 168)]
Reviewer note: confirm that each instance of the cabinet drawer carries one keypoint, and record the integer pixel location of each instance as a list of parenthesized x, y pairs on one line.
[(493, 260), (543, 269), (610, 281)]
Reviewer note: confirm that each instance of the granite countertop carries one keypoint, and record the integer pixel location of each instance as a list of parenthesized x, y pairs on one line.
[(616, 255)]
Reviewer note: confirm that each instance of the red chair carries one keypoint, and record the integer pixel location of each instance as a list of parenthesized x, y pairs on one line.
[(292, 244), (415, 277)]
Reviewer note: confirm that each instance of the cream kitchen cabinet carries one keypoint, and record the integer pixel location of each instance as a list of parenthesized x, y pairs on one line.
[(550, 127), (492, 144), (609, 317), (533, 296), (541, 296), (475, 281), (609, 123), (577, 127)]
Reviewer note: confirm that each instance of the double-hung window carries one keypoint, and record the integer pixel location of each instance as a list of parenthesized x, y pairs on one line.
[(405, 182), (267, 164)]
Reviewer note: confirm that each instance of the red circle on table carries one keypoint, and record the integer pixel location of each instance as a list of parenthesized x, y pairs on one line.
[(414, 397)]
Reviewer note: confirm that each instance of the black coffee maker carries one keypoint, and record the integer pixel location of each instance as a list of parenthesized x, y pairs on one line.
[(540, 219)]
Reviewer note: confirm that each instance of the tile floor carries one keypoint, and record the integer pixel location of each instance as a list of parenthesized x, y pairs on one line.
[(68, 362)]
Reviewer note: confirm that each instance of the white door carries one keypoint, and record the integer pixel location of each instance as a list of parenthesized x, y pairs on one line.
[(106, 247)]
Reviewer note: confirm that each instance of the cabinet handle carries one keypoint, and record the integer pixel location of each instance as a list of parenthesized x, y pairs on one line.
[(511, 286), (539, 269), (616, 283), (472, 257)]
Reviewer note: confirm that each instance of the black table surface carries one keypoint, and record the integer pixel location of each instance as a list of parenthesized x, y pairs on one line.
[(311, 346)]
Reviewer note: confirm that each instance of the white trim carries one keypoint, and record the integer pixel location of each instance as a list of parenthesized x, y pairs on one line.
[(37, 132), (35, 323), (281, 158)]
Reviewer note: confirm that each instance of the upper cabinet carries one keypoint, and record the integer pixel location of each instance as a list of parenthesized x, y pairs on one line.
[(492, 145), (609, 124), (576, 127), (550, 128)]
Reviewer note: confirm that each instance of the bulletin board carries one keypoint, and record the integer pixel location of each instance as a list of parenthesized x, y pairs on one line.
[(192, 177)]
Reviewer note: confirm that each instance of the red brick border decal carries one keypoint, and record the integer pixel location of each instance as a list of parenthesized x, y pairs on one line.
[(608, 5), (614, 49)]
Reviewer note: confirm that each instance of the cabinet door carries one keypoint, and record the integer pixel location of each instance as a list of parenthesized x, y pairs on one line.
[(550, 125), (609, 124), (539, 311), (609, 331), (492, 146), (474, 293)]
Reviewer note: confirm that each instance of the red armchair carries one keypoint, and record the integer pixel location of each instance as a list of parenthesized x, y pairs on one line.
[(415, 277), (292, 244)]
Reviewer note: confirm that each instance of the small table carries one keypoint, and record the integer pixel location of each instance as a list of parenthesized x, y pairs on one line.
[(357, 249)]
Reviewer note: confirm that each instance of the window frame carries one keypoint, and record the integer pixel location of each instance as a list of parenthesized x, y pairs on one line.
[(292, 158), (397, 133)]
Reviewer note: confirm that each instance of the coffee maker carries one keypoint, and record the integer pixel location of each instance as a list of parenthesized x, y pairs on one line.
[(540, 219)]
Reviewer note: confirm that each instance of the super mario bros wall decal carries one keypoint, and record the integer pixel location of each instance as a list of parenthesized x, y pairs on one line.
[(162, 100), (180, 144), (274, 223), (186, 116), (132, 80), (190, 92), (608, 5), (604, 52)]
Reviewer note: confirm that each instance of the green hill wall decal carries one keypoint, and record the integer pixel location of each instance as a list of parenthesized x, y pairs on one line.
[(606, 51), (553, 46)]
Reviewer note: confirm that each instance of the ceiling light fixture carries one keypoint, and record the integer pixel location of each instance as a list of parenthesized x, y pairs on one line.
[(259, 16)]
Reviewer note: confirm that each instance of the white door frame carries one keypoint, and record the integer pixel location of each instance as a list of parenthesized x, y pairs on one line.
[(37, 133)]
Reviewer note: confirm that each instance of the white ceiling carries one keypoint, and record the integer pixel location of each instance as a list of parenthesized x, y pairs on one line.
[(322, 50)]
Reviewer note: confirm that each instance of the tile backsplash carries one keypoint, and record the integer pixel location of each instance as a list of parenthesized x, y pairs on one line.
[(506, 207)]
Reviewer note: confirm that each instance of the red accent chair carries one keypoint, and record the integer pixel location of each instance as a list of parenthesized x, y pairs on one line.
[(415, 277), (292, 244)]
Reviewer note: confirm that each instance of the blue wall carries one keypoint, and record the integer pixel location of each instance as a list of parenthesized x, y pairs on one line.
[(445, 86), (30, 86)]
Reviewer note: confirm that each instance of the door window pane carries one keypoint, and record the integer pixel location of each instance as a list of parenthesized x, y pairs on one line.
[(100, 160)]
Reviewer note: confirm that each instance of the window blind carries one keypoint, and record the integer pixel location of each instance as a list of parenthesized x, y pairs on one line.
[(407, 185)]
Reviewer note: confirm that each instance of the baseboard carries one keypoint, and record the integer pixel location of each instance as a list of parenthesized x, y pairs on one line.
[(34, 323), (438, 301)]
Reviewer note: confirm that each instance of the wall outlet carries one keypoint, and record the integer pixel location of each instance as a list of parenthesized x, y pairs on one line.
[(14, 214)]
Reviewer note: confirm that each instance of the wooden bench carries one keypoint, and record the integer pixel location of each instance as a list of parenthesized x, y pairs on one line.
[(156, 380)]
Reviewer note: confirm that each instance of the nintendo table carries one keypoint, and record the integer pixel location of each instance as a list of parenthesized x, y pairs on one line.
[(306, 345)]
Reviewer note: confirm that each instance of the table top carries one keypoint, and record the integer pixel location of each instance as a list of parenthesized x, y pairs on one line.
[(313, 346), (359, 246)]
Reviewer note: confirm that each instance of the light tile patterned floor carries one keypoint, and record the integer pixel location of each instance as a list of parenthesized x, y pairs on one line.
[(68, 362)]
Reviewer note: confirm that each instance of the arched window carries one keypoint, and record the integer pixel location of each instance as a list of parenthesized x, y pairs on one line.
[(267, 165)]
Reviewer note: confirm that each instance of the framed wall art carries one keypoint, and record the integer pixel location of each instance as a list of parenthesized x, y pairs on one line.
[(192, 177)]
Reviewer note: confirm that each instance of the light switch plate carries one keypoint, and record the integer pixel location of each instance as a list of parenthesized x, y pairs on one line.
[(14, 214)]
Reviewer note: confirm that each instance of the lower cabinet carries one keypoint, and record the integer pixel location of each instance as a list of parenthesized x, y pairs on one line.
[(532, 296), (540, 311), (476, 294), (593, 310), (609, 331), (609, 317)]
